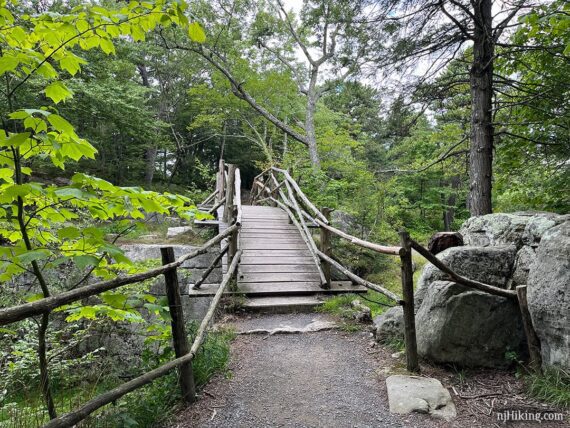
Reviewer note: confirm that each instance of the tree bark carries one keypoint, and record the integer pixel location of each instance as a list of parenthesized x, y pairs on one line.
[(312, 98), (481, 80)]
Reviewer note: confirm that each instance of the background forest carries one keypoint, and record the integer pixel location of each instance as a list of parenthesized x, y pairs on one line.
[(399, 113), (390, 116)]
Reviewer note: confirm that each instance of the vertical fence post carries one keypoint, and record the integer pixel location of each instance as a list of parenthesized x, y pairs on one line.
[(228, 210), (326, 246), (408, 303), (179, 338), (532, 339), (220, 184)]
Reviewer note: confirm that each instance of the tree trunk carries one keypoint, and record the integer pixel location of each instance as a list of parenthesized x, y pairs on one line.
[(449, 212), (481, 79), (312, 98), (150, 165)]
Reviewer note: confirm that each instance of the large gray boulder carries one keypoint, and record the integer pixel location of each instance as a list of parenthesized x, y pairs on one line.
[(491, 265), (462, 326), (520, 228), (548, 295)]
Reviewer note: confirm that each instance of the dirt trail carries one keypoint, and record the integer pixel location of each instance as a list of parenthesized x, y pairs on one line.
[(321, 379), (333, 379)]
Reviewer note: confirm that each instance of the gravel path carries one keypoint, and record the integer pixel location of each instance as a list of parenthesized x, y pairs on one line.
[(333, 379), (322, 379)]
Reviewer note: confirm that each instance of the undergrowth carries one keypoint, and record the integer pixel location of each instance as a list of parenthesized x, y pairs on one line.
[(552, 386), (144, 407)]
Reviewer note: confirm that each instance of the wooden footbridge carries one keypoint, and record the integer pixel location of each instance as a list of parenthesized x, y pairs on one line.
[(268, 251)]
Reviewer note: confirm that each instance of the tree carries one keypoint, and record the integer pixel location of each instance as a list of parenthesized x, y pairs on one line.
[(44, 46), (442, 28), (332, 40)]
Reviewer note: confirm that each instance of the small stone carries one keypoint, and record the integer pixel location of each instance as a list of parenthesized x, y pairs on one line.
[(397, 354)]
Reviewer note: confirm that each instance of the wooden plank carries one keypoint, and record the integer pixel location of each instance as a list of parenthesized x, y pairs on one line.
[(273, 246), (277, 253), (281, 240), (267, 225), (279, 277), (277, 268), (288, 288), (276, 260)]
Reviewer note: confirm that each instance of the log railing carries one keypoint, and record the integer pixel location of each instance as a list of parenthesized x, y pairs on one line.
[(276, 187), (184, 352)]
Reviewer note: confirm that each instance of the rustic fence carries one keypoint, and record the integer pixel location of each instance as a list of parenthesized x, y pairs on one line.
[(228, 192), (276, 187)]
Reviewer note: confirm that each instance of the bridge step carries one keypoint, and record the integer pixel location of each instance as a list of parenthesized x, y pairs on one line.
[(281, 289), (280, 305)]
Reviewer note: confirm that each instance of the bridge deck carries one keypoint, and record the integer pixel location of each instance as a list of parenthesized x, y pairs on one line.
[(275, 262)]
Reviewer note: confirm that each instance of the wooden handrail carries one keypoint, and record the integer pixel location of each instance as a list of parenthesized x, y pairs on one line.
[(300, 193), (86, 409), (237, 196), (358, 279), (20, 312), (394, 251)]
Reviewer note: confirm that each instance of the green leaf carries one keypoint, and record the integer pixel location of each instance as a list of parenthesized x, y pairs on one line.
[(6, 174), (87, 312), (196, 33), (16, 139), (71, 192), (116, 300), (60, 124), (32, 256), (107, 46), (69, 232), (8, 63), (85, 260), (58, 92)]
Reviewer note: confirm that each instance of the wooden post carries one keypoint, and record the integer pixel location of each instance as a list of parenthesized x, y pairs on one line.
[(531, 338), (221, 182), (179, 338), (408, 303), (228, 210), (326, 246)]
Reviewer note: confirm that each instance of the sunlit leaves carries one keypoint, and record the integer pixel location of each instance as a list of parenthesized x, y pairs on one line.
[(57, 91), (196, 33)]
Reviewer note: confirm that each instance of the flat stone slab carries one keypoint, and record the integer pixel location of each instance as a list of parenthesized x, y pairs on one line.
[(407, 394), (313, 327), (179, 230)]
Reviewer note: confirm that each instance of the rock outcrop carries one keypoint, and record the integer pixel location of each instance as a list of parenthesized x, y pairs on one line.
[(548, 295), (491, 265), (520, 228), (459, 325)]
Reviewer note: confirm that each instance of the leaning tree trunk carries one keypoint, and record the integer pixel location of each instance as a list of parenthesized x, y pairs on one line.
[(481, 79), (312, 98)]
